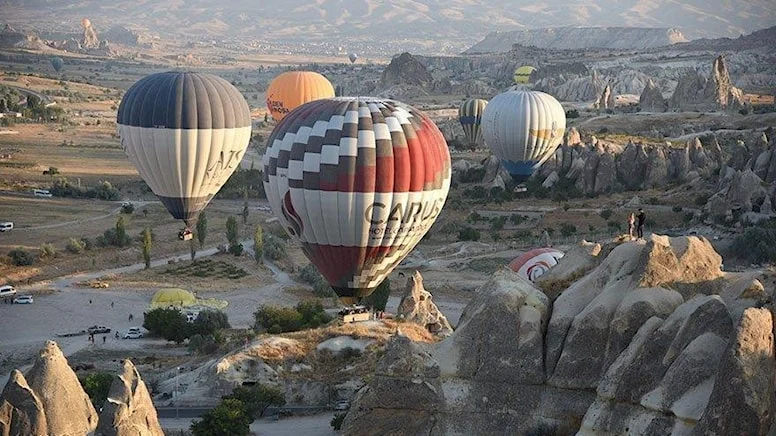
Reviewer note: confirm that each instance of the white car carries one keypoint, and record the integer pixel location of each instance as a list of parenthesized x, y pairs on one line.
[(133, 333), (6, 226), (342, 405), (7, 291), (42, 193), (24, 299)]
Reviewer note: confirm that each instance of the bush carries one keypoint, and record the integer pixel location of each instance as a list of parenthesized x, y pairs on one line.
[(274, 249), (257, 398), (236, 249), (474, 217), (203, 344), (226, 419), (572, 113), (517, 219), (97, 386), (677, 208), (169, 324), (498, 223), (756, 244), (606, 214), (468, 234), (75, 246), (336, 422), (47, 250), (20, 257), (277, 319), (103, 190), (701, 199), (209, 321), (312, 313), (568, 229)]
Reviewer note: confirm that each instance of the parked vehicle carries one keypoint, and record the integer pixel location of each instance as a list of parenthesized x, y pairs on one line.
[(342, 405), (7, 291), (24, 299), (133, 333), (6, 226), (97, 329), (41, 193)]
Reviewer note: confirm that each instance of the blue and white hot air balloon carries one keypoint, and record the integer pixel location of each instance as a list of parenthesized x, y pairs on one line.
[(523, 128)]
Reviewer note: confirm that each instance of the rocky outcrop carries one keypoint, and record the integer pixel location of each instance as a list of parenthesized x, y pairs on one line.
[(643, 344), (89, 39), (121, 35), (651, 99), (21, 411), (579, 37), (416, 306), (405, 69), (128, 410), (69, 410), (697, 92)]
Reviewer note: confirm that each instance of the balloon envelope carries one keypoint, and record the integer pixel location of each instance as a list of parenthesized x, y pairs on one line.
[(535, 263), (523, 129), (295, 88), (185, 133), (358, 182), (57, 63), (352, 57), (523, 74), (470, 117)]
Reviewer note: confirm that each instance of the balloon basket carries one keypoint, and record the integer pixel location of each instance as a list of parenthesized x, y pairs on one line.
[(185, 235)]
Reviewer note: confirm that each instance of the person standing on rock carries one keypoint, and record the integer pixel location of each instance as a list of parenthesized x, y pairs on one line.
[(640, 228), (631, 225)]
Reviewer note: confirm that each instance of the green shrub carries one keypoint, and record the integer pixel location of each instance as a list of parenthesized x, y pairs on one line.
[(169, 324), (468, 234), (21, 257), (312, 313), (202, 344), (210, 321), (701, 199), (75, 246), (47, 251), (97, 386), (274, 249), (606, 214), (336, 422), (677, 208), (277, 319), (236, 249), (258, 398), (756, 244), (572, 113), (568, 229), (228, 418)]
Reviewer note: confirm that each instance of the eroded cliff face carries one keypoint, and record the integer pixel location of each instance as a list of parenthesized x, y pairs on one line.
[(654, 339)]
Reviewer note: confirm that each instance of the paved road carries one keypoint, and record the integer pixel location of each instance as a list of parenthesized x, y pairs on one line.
[(196, 412), (43, 98)]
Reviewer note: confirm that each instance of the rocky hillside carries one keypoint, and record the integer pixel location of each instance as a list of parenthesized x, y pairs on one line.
[(49, 400), (650, 338), (579, 37)]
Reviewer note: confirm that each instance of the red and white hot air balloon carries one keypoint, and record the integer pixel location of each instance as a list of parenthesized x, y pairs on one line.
[(533, 264), (359, 182)]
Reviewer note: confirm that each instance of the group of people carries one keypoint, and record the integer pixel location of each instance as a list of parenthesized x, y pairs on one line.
[(636, 224)]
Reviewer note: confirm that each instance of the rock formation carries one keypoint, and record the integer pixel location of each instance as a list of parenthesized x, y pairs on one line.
[(128, 410), (416, 306), (697, 92), (49, 400), (651, 99), (655, 339), (89, 38), (121, 35), (573, 37), (405, 69)]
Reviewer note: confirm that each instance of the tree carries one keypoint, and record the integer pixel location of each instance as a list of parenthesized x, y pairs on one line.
[(231, 231), (170, 324), (226, 419), (3, 106), (245, 206), (147, 247), (257, 398), (121, 233), (202, 228), (193, 248), (20, 257), (313, 314), (379, 298), (32, 101), (258, 243), (209, 321), (97, 386), (277, 319)]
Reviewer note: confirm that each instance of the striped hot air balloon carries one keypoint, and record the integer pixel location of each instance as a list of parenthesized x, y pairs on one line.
[(535, 263), (358, 182), (185, 133), (292, 89), (470, 116), (523, 128), (523, 74)]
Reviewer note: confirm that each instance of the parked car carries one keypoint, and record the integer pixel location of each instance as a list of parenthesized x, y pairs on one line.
[(6, 226), (133, 333), (342, 405), (7, 291), (97, 329), (24, 299), (41, 193)]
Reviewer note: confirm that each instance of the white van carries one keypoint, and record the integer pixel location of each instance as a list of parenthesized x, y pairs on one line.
[(7, 291), (41, 193), (6, 226)]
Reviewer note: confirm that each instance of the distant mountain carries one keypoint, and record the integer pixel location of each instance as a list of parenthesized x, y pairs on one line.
[(437, 21), (579, 37)]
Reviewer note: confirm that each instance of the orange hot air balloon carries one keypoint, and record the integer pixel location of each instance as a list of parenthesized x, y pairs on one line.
[(295, 88)]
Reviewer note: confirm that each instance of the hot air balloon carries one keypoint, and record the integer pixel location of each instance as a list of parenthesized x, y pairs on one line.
[(470, 116), (523, 74), (358, 182), (352, 57), (57, 63), (185, 133), (523, 129), (295, 88), (533, 264)]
